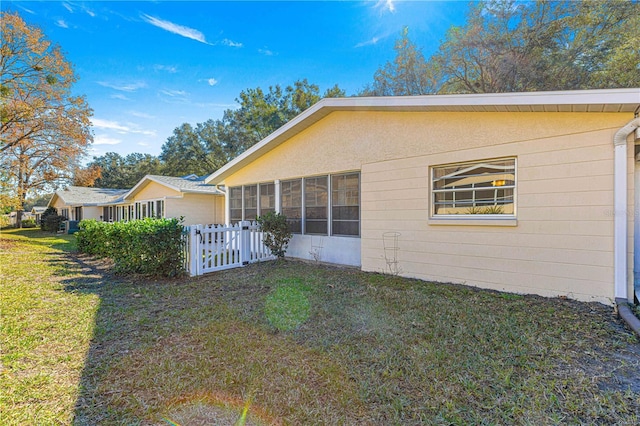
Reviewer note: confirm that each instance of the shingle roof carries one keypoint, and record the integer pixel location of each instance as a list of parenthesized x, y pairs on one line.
[(79, 195), (195, 184), (188, 184)]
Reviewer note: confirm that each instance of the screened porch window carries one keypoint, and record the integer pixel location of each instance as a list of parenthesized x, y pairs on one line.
[(292, 204), (476, 188), (235, 204), (267, 198), (250, 202), (345, 204), (316, 196)]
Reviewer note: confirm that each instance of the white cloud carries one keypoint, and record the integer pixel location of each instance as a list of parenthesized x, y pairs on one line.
[(68, 7), (107, 124), (105, 140), (174, 93), (386, 5), (175, 28), (168, 68), (143, 144), (373, 41), (119, 96), (231, 43), (27, 10), (266, 52), (212, 81), (127, 87), (61, 23), (142, 115), (120, 128)]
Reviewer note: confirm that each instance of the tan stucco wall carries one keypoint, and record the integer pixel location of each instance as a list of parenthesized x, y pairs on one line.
[(562, 243), (58, 204), (153, 190), (196, 208), (88, 212), (91, 212)]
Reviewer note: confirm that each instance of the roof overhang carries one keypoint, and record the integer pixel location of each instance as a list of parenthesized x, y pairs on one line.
[(144, 182), (150, 178), (609, 100)]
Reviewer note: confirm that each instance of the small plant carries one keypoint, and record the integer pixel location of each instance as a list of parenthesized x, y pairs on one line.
[(276, 232), (474, 210), (29, 223), (493, 210)]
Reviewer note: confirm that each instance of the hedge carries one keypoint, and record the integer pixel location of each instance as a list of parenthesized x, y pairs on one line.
[(148, 246)]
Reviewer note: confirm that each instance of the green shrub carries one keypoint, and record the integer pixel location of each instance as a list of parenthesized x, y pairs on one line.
[(148, 246), (276, 232), (29, 223), (50, 211), (52, 223)]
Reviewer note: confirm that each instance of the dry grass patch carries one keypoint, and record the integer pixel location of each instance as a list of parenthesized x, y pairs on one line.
[(296, 343)]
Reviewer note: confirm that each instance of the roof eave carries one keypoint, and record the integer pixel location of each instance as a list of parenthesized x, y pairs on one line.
[(556, 101)]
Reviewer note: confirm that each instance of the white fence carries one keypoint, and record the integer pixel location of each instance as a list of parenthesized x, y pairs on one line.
[(218, 247)]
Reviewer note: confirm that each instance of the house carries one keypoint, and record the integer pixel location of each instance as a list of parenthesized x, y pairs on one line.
[(36, 212), (78, 203), (519, 192), (166, 196), (186, 197)]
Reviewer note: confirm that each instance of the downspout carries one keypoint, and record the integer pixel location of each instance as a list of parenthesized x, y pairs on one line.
[(223, 189), (621, 206)]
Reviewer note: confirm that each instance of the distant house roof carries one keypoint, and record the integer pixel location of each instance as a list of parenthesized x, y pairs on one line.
[(82, 196), (607, 100), (187, 184), (38, 209)]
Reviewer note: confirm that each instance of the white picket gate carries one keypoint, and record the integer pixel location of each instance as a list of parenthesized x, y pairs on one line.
[(219, 247)]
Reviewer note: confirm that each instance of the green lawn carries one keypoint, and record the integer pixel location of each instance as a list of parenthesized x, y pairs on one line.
[(296, 343)]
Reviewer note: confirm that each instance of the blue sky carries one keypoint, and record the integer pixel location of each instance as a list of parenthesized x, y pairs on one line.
[(147, 67)]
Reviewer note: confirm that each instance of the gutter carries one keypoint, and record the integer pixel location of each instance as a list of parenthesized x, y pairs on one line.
[(620, 205)]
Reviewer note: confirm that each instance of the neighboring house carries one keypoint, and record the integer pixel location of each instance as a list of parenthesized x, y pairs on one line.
[(13, 218), (78, 203), (37, 211), (165, 196), (511, 192)]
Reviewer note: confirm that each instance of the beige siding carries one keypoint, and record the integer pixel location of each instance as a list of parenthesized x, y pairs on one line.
[(153, 190), (92, 212), (196, 208), (562, 242)]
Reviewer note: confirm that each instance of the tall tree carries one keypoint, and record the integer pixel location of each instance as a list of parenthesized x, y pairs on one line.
[(508, 46), (208, 146), (193, 150), (45, 129), (407, 74), (513, 46), (121, 172)]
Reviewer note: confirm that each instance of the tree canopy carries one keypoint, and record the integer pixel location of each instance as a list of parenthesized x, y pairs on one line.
[(208, 146), (45, 129), (510, 46), (121, 172)]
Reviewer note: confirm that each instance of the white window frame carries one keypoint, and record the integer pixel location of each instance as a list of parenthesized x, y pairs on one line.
[(469, 165)]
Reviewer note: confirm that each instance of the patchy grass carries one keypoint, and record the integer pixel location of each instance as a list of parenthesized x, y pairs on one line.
[(295, 343), (45, 330)]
